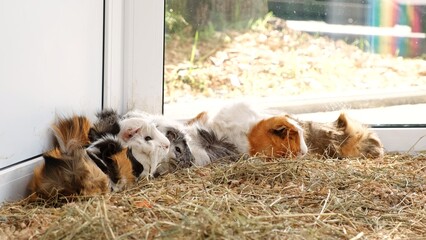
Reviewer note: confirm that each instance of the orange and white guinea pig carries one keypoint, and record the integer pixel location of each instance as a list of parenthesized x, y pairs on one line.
[(255, 133)]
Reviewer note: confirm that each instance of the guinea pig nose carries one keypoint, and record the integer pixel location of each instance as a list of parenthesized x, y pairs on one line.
[(156, 175)]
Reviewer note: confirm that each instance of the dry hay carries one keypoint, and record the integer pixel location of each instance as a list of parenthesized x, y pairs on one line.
[(247, 199)]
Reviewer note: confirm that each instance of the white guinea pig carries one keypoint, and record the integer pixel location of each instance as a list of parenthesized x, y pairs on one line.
[(148, 145)]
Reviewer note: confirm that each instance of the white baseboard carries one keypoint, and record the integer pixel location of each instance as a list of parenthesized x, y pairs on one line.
[(14, 180), (404, 140)]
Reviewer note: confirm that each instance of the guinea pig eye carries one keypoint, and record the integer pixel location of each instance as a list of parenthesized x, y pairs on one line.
[(148, 138), (280, 132), (178, 149)]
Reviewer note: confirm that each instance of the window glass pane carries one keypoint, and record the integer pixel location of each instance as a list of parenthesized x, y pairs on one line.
[(301, 57)]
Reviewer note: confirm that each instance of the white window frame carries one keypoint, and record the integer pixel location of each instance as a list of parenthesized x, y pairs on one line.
[(402, 140), (134, 53)]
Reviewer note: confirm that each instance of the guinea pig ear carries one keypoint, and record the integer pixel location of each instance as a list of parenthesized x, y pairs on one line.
[(200, 118), (171, 135), (94, 135), (129, 133), (280, 131), (342, 121)]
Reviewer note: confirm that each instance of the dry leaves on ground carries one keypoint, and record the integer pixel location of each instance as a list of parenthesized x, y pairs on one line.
[(272, 59)]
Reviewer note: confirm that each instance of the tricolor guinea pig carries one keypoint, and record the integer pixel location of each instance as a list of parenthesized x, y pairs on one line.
[(255, 133), (75, 166)]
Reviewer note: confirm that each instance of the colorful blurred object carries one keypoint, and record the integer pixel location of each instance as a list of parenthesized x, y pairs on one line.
[(406, 17), (395, 27)]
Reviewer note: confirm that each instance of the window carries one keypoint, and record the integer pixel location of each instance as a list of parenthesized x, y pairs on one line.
[(310, 58)]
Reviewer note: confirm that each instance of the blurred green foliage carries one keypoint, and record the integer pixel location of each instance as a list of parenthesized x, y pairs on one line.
[(213, 15)]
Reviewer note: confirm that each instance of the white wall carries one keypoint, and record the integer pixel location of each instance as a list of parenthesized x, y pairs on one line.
[(50, 64)]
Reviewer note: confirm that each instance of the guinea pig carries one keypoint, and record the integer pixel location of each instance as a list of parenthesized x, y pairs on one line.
[(116, 161), (278, 136), (344, 137), (75, 168), (107, 123), (179, 152), (359, 140), (207, 147), (147, 144), (190, 144), (180, 155), (253, 132)]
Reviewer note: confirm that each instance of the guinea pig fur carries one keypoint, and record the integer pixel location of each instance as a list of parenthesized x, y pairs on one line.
[(107, 123), (190, 144), (72, 169), (344, 137), (148, 145), (180, 154), (255, 133), (277, 136), (206, 146)]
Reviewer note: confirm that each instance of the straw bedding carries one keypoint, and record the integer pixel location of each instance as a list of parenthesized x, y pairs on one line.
[(251, 198)]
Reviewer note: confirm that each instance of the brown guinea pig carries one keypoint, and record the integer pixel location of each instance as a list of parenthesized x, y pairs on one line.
[(67, 169), (344, 137), (359, 140), (277, 136)]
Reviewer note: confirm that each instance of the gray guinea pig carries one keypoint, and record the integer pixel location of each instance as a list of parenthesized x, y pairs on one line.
[(179, 155), (179, 149)]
